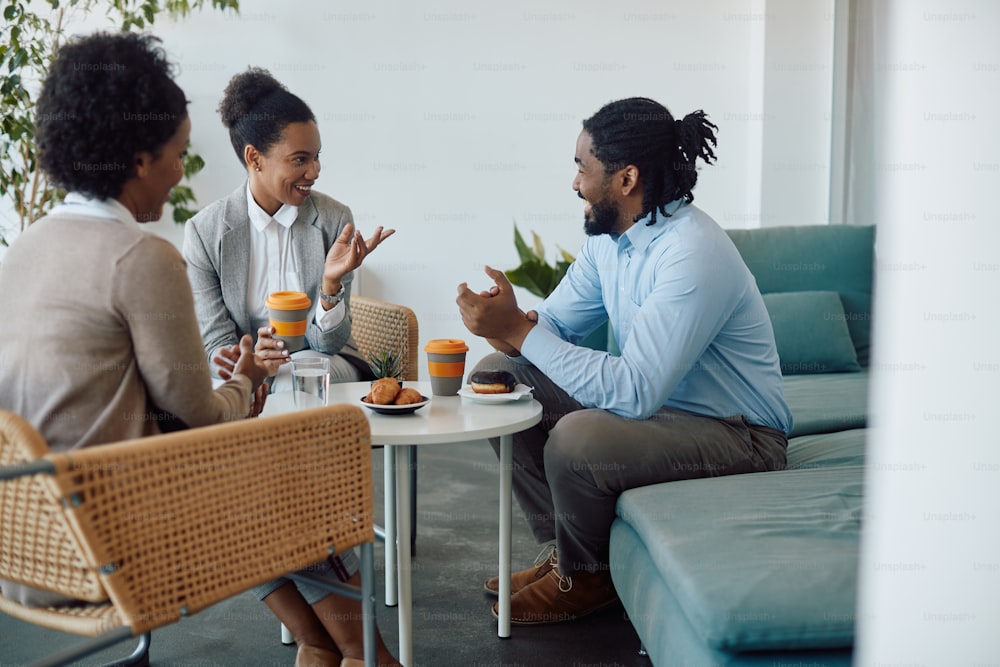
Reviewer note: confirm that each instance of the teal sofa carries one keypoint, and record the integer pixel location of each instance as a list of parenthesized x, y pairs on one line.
[(761, 569)]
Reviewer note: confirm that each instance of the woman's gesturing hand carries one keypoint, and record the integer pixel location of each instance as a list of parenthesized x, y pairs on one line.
[(347, 253)]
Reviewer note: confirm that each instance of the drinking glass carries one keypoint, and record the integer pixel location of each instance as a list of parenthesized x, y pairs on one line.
[(310, 381)]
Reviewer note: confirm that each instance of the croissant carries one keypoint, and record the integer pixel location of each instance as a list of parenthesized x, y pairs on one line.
[(383, 391), (408, 395)]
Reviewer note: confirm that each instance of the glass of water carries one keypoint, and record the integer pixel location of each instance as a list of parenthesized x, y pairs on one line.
[(310, 381)]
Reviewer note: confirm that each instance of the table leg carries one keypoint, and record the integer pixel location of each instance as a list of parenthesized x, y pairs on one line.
[(368, 602), (402, 543), (389, 493), (506, 463)]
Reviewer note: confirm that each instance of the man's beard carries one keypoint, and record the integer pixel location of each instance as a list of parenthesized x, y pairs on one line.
[(602, 219)]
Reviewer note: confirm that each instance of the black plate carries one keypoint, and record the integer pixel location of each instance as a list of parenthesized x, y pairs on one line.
[(396, 409)]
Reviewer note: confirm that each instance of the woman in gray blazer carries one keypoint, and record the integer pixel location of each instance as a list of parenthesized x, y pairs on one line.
[(275, 233)]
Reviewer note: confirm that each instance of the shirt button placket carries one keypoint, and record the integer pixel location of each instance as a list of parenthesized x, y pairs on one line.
[(273, 268)]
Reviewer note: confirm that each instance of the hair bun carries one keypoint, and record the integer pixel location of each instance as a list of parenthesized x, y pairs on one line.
[(695, 137), (244, 92)]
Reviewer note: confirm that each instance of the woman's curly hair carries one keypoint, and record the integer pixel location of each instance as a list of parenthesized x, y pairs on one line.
[(256, 108), (106, 98), (642, 132)]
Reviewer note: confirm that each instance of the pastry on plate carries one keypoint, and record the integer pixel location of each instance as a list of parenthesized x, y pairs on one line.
[(492, 382)]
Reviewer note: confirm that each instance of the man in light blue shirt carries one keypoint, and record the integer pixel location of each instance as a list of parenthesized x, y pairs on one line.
[(697, 389)]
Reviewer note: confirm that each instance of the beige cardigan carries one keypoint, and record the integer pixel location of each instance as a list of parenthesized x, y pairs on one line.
[(100, 327)]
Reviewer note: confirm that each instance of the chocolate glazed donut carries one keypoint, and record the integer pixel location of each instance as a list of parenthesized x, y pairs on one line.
[(492, 382)]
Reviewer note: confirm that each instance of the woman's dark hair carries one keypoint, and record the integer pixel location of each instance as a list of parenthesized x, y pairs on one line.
[(257, 108), (642, 132), (106, 98)]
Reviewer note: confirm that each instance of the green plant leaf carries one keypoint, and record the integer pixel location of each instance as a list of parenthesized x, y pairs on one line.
[(539, 248), (182, 214), (193, 163), (524, 253), (536, 277), (535, 274)]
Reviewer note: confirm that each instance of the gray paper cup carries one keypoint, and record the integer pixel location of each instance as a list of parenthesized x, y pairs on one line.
[(288, 313), (446, 365)]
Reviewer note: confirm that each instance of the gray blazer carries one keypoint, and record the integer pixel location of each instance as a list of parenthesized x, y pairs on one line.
[(217, 251)]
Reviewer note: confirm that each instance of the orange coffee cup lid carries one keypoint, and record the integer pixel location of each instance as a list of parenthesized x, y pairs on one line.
[(288, 301), (446, 346)]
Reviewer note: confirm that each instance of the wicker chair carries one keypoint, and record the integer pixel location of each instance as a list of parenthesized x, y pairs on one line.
[(377, 326), (147, 531), (380, 325)]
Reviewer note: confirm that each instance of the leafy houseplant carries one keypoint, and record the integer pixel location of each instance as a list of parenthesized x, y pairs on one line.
[(535, 274), (28, 43)]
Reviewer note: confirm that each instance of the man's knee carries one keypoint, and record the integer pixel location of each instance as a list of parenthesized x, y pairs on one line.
[(494, 361), (577, 438)]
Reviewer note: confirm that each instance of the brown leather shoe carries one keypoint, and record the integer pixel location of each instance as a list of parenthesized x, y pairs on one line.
[(313, 656), (555, 598), (544, 562)]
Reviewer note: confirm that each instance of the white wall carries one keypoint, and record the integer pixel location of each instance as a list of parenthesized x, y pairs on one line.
[(930, 566), (798, 103), (449, 120)]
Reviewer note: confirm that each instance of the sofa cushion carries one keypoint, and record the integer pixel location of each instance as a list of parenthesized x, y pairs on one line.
[(810, 330), (662, 624), (837, 258), (758, 561), (827, 402), (843, 448)]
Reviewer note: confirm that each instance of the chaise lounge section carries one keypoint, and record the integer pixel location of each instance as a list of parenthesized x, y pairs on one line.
[(761, 569)]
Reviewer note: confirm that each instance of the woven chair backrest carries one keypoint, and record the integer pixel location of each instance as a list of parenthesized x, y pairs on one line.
[(379, 326), (37, 544), (180, 521)]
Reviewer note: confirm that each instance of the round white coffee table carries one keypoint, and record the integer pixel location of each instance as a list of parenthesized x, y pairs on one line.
[(444, 420)]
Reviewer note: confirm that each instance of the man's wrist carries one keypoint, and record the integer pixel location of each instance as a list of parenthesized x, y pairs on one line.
[(516, 341)]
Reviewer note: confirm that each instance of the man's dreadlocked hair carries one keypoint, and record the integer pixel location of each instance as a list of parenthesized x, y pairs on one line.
[(642, 132)]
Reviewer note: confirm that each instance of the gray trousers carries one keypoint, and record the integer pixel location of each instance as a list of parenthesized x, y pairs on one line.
[(335, 568), (569, 470)]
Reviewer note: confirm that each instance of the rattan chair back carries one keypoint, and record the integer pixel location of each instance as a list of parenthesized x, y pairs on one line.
[(37, 544), (177, 522), (379, 325)]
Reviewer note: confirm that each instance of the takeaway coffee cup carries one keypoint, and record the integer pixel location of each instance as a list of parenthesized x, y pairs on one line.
[(288, 313), (446, 365)]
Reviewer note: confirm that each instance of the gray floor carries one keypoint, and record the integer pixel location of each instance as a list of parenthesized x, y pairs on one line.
[(453, 626)]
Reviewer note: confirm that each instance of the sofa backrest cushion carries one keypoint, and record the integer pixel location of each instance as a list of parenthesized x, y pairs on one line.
[(828, 258), (810, 330)]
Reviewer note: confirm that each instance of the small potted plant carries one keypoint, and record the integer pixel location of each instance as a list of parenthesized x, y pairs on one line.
[(386, 364)]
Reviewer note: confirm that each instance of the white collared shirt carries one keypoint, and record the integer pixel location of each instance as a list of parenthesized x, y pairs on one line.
[(274, 266), (77, 203)]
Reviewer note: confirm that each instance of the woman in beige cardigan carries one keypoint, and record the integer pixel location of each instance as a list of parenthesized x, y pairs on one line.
[(107, 345)]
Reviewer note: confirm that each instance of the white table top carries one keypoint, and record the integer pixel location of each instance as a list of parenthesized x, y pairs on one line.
[(445, 419)]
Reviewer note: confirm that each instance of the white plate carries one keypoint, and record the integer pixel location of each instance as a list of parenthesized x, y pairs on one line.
[(407, 409), (520, 391)]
